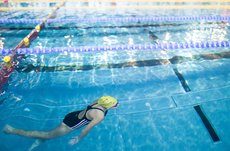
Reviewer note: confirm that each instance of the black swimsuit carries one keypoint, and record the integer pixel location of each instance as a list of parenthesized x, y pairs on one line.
[(72, 120)]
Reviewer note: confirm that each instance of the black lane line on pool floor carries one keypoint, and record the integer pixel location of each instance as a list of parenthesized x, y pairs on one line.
[(142, 63), (137, 25), (197, 108), (182, 80), (207, 124), (179, 59)]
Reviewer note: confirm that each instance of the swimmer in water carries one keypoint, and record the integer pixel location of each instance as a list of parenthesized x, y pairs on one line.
[(89, 117)]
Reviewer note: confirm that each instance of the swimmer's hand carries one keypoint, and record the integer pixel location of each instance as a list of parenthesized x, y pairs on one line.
[(74, 141)]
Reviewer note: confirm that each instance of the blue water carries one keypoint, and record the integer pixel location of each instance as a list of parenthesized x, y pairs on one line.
[(155, 112)]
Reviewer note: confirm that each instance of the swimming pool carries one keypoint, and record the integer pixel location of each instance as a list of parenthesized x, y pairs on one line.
[(160, 91)]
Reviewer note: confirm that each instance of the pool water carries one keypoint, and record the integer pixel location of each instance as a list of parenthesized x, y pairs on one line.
[(156, 109)]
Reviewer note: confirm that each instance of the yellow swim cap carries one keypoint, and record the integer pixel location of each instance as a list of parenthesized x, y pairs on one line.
[(6, 59), (107, 101)]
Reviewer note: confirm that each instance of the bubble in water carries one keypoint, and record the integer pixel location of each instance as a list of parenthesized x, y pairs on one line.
[(26, 109), (198, 97), (147, 104)]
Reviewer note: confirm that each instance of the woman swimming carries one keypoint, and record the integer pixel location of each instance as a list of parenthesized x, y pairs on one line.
[(91, 116)]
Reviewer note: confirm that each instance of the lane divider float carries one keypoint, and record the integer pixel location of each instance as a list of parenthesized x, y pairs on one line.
[(121, 19), (11, 60), (141, 47)]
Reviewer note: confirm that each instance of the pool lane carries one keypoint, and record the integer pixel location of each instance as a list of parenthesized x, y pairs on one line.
[(142, 63)]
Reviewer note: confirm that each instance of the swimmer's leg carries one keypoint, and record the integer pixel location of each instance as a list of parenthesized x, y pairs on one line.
[(62, 129)]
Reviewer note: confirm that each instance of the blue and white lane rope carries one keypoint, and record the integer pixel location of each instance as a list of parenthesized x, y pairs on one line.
[(170, 45), (122, 19)]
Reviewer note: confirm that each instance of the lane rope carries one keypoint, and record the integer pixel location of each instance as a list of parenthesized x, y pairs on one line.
[(120, 19), (10, 61), (170, 45), (79, 1), (99, 7)]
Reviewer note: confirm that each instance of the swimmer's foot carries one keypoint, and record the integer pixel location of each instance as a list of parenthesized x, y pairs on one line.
[(8, 129), (37, 143)]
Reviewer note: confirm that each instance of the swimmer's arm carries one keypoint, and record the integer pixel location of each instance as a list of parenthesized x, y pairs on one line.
[(86, 130)]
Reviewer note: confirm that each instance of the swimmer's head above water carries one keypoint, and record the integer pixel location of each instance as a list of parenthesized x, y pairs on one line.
[(107, 102)]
